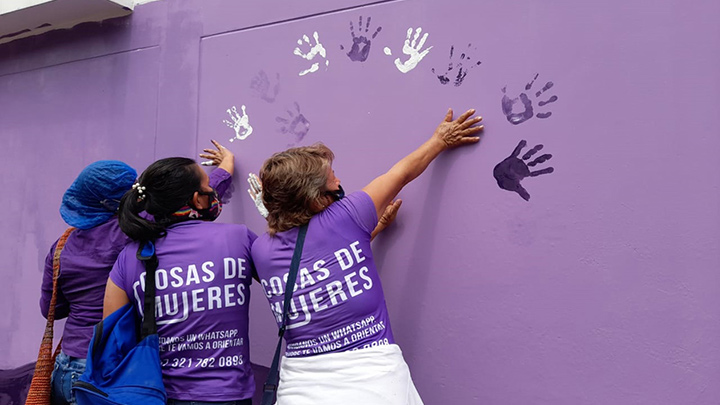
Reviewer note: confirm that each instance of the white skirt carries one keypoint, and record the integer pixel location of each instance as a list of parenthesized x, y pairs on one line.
[(374, 376)]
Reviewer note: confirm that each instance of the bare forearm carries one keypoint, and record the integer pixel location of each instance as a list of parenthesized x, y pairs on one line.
[(414, 164), (450, 133)]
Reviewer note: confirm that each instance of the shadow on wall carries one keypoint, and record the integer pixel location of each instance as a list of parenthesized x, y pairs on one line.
[(14, 383), (108, 30)]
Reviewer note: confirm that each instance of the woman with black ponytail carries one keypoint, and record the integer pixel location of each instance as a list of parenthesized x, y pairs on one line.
[(202, 280)]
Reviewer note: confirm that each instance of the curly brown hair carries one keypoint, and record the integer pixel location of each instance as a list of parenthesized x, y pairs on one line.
[(292, 181)]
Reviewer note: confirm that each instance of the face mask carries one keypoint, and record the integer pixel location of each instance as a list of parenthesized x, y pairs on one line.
[(206, 214), (336, 195), (211, 213)]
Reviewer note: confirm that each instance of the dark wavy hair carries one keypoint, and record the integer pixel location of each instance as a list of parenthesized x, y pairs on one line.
[(169, 184), (292, 181)]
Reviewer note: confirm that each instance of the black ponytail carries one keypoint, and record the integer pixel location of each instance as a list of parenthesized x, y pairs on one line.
[(163, 188)]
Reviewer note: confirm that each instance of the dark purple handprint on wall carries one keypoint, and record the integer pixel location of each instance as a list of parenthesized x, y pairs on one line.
[(511, 171), (459, 69), (295, 124), (528, 111), (360, 48)]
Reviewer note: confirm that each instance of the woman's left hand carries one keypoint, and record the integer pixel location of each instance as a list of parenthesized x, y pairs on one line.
[(387, 217), (255, 192)]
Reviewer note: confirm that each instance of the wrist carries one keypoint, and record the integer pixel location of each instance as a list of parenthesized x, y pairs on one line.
[(436, 143), (228, 167)]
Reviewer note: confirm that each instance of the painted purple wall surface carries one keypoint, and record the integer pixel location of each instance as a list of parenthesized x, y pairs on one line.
[(508, 282)]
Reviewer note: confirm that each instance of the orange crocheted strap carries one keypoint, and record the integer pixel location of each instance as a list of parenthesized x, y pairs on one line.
[(58, 249), (56, 273), (39, 393)]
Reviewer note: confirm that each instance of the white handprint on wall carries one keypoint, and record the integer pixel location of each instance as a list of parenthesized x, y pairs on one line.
[(240, 123), (412, 50), (315, 50)]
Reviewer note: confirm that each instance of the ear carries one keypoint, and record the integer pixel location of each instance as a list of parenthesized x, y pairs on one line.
[(197, 201), (321, 203), (317, 206)]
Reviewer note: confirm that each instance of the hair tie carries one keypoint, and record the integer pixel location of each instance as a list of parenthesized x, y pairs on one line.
[(140, 190)]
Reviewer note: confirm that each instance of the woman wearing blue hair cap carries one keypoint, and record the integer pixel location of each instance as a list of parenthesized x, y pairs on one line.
[(90, 205), (94, 196)]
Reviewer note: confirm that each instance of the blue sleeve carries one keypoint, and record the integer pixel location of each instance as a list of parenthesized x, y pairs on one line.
[(361, 209)]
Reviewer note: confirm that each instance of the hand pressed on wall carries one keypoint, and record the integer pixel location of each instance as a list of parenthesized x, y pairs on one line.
[(516, 118), (462, 66), (360, 48), (223, 158), (511, 171), (255, 192), (217, 157), (453, 133)]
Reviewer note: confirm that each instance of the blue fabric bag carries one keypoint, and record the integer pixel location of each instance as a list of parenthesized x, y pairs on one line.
[(123, 363)]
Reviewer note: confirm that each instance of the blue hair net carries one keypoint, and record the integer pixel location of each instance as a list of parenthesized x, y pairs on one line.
[(94, 196)]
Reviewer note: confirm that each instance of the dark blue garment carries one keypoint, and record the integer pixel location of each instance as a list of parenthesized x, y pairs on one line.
[(67, 370), (121, 370)]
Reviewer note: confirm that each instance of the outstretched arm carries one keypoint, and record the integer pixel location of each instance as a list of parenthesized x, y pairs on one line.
[(449, 134), (224, 159)]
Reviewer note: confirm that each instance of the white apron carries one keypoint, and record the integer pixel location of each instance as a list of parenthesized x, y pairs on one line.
[(374, 376)]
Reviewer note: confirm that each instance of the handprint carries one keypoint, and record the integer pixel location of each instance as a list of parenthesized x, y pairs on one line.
[(462, 71), (255, 192), (361, 45), (240, 123), (409, 48), (296, 124), (510, 172), (316, 49), (260, 85), (527, 113)]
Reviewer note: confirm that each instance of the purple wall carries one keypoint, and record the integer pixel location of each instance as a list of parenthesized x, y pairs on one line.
[(603, 288)]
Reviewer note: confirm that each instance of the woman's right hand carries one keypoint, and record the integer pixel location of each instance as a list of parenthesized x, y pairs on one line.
[(451, 133), (222, 157)]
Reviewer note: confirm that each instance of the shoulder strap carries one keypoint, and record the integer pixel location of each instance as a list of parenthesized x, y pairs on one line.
[(271, 384), (146, 254), (39, 392), (56, 274)]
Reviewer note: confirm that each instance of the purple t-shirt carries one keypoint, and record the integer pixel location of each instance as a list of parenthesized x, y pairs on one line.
[(85, 263), (201, 305), (338, 302)]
